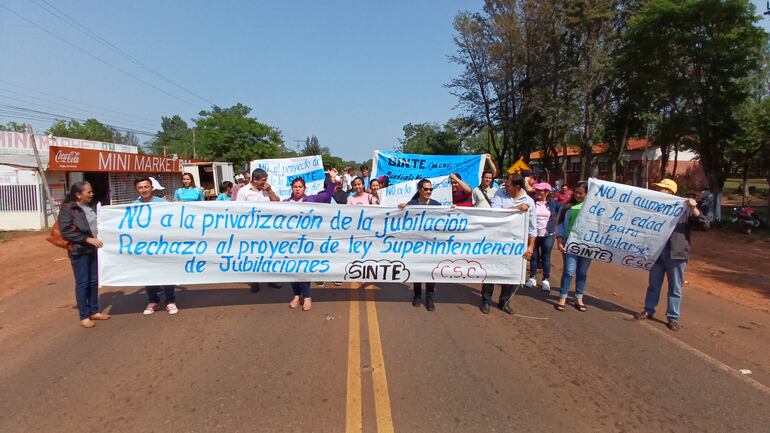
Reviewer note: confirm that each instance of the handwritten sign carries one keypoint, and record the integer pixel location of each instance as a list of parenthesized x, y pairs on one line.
[(282, 172), (404, 191), (407, 167), (217, 242), (623, 224)]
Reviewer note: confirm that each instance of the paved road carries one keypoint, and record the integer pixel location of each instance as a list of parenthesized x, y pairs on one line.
[(365, 360)]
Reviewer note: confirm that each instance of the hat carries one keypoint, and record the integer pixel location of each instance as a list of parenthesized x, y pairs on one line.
[(667, 184), (156, 185), (545, 186)]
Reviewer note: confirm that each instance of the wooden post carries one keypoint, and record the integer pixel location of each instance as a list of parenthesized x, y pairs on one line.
[(41, 172)]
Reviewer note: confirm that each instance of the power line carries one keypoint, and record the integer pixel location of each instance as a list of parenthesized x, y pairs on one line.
[(48, 116), (85, 30), (88, 53), (47, 105), (57, 98)]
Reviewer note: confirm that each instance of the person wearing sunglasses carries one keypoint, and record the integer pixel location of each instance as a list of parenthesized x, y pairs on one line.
[(422, 198)]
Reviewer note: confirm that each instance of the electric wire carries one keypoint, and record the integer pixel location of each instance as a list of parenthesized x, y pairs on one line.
[(58, 13), (48, 106), (57, 99), (45, 115), (88, 53)]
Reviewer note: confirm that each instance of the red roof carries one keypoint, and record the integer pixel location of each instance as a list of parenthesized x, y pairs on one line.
[(596, 149)]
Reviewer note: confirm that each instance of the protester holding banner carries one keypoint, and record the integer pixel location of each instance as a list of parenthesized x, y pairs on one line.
[(225, 191), (482, 194), (513, 196), (360, 196), (574, 266), (77, 223), (144, 188), (671, 262), (258, 191), (461, 191), (547, 211), (189, 192), (298, 191), (422, 198)]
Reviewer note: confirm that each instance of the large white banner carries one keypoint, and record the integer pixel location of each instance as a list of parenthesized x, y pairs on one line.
[(282, 172), (402, 192), (623, 224), (218, 241)]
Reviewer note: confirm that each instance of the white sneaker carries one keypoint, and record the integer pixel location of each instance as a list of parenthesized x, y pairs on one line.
[(531, 283), (321, 284), (546, 286), (151, 308), (172, 309)]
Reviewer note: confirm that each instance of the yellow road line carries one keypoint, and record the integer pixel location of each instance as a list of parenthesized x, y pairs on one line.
[(353, 415), (381, 396)]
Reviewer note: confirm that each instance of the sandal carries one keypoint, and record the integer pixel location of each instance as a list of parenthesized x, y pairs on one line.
[(580, 307), (307, 305), (559, 307), (294, 302)]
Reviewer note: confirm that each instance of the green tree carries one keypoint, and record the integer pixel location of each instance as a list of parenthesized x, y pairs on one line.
[(313, 147), (694, 57), (91, 129), (430, 139), (175, 137), (14, 127), (229, 134)]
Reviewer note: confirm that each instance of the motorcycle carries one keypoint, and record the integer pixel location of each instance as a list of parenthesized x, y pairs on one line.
[(705, 203), (745, 218)]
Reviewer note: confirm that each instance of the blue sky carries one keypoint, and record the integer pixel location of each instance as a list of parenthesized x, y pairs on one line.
[(352, 73)]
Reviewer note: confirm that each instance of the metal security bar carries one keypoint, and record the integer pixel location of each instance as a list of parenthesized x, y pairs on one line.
[(19, 198)]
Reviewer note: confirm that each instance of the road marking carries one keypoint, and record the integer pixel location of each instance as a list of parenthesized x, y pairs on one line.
[(381, 395), (715, 362), (353, 415)]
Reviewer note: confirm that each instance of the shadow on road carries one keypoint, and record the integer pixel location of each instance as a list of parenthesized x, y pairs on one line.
[(133, 300)]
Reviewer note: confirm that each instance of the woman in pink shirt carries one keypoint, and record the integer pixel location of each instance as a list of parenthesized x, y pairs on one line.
[(360, 196), (547, 211)]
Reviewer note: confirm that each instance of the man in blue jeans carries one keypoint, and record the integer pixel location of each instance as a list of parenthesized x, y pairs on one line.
[(670, 264), (145, 187)]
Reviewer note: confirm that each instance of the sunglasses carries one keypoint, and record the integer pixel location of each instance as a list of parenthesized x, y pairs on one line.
[(427, 189)]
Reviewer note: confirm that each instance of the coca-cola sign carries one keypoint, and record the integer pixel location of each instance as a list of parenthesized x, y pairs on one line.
[(87, 160), (71, 157)]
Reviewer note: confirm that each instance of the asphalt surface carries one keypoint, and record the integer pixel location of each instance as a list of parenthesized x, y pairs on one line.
[(365, 360)]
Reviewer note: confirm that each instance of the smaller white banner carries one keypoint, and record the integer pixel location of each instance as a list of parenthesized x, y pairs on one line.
[(402, 192), (282, 172), (623, 224)]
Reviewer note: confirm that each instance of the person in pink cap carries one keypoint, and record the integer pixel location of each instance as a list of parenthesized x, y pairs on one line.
[(547, 211)]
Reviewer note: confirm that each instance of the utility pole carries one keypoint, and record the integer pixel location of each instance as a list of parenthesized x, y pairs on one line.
[(298, 144), (41, 172), (194, 155)]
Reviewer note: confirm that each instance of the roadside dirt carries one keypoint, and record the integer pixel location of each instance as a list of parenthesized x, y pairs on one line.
[(729, 265), (28, 261)]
